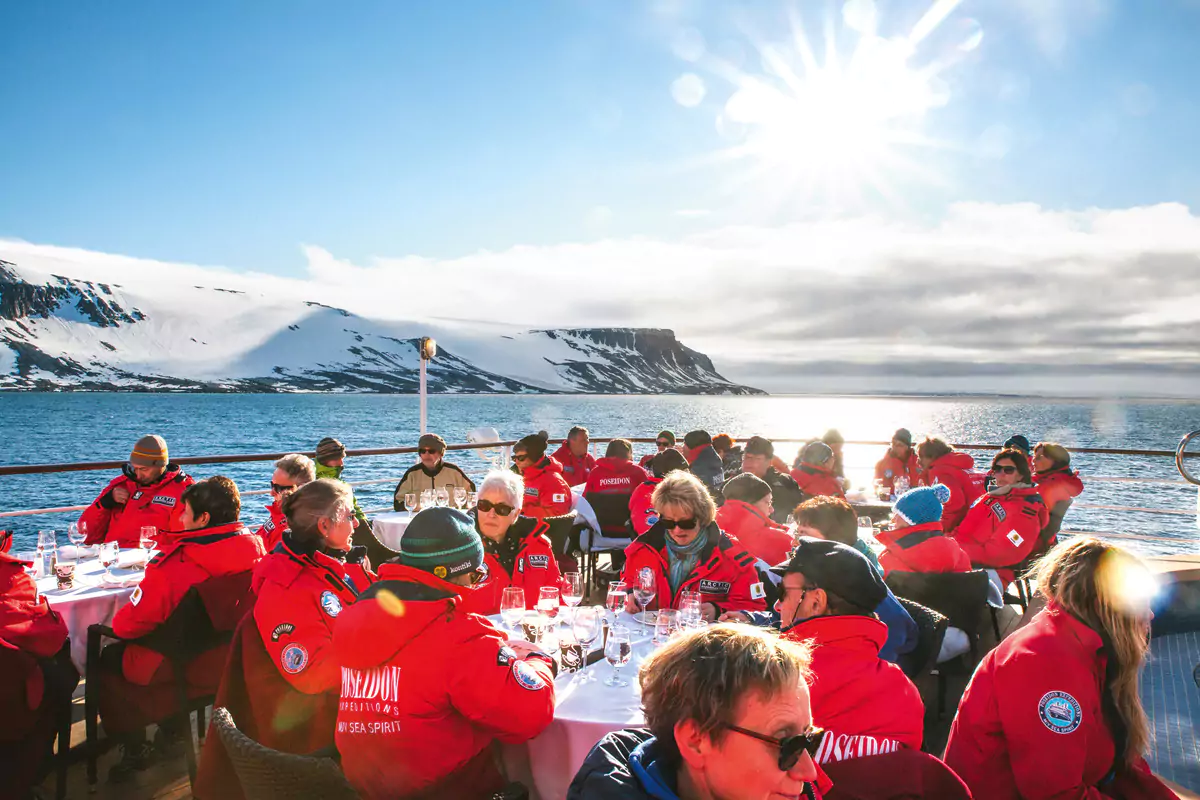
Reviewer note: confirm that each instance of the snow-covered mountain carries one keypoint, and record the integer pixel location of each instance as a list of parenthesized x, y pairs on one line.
[(62, 333)]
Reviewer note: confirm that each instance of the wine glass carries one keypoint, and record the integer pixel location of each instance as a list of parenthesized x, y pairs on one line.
[(77, 534), (426, 499), (110, 553), (512, 606), (443, 498), (471, 498), (586, 626), (615, 600), (460, 497), (900, 485), (572, 589), (644, 593), (410, 502), (548, 602), (617, 650), (146, 539)]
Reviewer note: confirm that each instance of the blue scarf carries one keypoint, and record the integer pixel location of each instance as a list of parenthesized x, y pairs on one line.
[(682, 559)]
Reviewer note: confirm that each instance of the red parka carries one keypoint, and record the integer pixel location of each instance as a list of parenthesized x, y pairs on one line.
[(901, 775), (920, 548), (1058, 488), (817, 481), (159, 504), (546, 492), (534, 568), (1002, 528), (614, 476), (272, 530), (867, 705), (426, 692), (1031, 724), (188, 559), (888, 468), (641, 511), (954, 471), (300, 596), (755, 531), (724, 574), (575, 469)]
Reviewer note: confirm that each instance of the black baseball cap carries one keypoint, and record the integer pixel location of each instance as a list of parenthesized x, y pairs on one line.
[(836, 568), (903, 435)]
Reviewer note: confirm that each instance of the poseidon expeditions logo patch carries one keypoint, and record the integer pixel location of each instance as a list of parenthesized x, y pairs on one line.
[(330, 603), (1060, 712), (281, 630), (293, 659)]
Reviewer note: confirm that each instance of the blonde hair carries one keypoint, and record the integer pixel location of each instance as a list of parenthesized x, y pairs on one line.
[(685, 490), (313, 502), (1091, 579), (703, 675)]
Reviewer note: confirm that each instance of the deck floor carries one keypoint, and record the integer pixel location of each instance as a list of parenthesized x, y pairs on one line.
[(1172, 699)]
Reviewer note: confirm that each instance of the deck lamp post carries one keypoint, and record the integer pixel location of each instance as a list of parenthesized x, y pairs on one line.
[(428, 350)]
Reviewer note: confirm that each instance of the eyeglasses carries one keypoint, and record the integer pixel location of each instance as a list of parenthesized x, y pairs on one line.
[(672, 524), (1007, 469), (502, 509), (790, 747), (520, 457), (428, 451), (663, 444), (280, 488)]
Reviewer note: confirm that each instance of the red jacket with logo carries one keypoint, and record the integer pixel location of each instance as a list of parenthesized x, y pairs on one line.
[(300, 596), (546, 491), (953, 470), (817, 481), (1058, 489), (754, 531), (575, 469), (888, 468), (1031, 724), (425, 693), (921, 548), (534, 568), (868, 705), (641, 511), (614, 476), (158, 504), (272, 530), (1002, 528), (724, 574), (188, 559)]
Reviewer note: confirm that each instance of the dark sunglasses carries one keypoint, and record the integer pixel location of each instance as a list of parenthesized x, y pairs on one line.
[(280, 488), (1007, 470), (520, 457), (672, 524), (428, 451), (503, 509), (663, 443), (790, 747)]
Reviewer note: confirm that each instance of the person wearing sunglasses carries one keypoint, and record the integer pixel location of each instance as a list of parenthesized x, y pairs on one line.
[(686, 551), (727, 716), (516, 549), (546, 491), (1057, 484), (1004, 525), (291, 472), (427, 687), (664, 441), (431, 471)]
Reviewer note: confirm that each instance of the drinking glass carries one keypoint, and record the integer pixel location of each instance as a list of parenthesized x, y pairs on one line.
[(110, 553), (548, 603), (443, 498), (532, 623), (32, 570), (586, 626), (410, 502), (900, 485), (866, 529), (460, 497), (690, 615), (45, 549), (426, 498), (146, 540), (615, 600), (617, 650), (77, 534), (644, 593), (471, 498), (572, 589), (881, 491), (665, 624), (512, 606), (448, 488), (64, 568)]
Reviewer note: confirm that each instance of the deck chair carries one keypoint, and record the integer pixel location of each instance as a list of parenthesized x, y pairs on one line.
[(961, 597), (202, 622), (616, 529), (922, 660)]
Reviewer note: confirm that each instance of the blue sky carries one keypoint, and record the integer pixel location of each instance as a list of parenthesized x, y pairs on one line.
[(230, 133)]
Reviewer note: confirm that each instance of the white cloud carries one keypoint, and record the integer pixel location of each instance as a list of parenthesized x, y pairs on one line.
[(688, 90), (988, 292)]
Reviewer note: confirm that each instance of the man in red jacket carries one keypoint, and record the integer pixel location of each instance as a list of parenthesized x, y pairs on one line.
[(577, 462), (746, 518), (615, 473), (900, 461), (291, 472), (815, 475), (426, 688), (867, 705), (546, 491), (940, 463), (146, 493), (915, 542)]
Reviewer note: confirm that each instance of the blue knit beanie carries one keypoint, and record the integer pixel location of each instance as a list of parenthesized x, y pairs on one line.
[(921, 505), (442, 541), (1018, 442)]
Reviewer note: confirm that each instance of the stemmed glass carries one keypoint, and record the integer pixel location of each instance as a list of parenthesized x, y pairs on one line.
[(690, 615), (110, 553), (512, 606), (443, 498), (410, 502), (460, 497), (617, 650), (615, 600), (586, 626), (427, 497), (866, 529), (572, 589), (644, 593), (147, 539), (77, 535), (548, 603), (471, 498)]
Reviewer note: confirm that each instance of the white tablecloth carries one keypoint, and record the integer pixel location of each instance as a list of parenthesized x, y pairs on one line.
[(88, 602), (389, 527)]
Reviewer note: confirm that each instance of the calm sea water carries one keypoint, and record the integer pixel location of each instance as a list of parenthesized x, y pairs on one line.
[(52, 428)]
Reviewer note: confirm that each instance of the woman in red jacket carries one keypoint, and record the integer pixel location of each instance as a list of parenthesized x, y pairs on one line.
[(546, 491), (1053, 712), (815, 476), (746, 518), (1002, 527), (1057, 485), (291, 472), (940, 463)]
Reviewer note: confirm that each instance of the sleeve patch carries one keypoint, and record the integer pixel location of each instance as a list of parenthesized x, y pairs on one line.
[(136, 597), (294, 659), (539, 561), (527, 677), (1015, 538), (558, 498), (757, 592), (505, 657), (281, 630), (1060, 712)]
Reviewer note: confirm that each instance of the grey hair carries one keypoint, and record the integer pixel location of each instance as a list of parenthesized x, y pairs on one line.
[(299, 468), (508, 482)]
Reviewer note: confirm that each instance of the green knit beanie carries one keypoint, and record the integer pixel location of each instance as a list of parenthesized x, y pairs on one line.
[(442, 541)]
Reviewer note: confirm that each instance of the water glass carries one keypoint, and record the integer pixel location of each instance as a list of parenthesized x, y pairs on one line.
[(881, 492), (866, 529), (460, 497), (33, 569), (618, 650), (548, 602), (64, 568), (586, 626), (644, 592), (410, 502), (690, 614), (900, 485), (110, 554), (512, 606), (46, 545), (615, 600), (665, 625), (443, 498)]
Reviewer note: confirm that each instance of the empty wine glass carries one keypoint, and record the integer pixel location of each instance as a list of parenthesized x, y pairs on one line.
[(572, 589), (426, 498), (512, 606), (548, 602), (460, 497), (77, 533), (410, 502), (586, 626), (443, 498), (110, 553), (615, 600), (644, 593), (866, 529), (617, 650)]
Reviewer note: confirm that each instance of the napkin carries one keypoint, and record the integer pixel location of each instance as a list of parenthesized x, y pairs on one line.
[(77, 553)]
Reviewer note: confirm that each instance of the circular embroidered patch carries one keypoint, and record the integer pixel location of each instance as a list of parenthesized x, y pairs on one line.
[(439, 571), (527, 677), (294, 658), (1060, 712), (331, 604)]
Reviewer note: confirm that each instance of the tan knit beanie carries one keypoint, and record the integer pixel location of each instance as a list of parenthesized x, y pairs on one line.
[(150, 451)]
